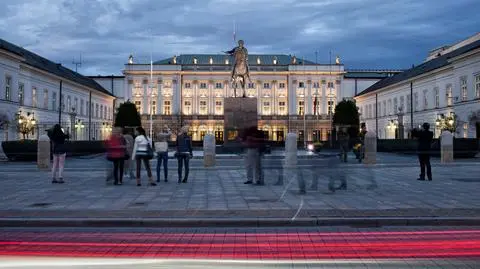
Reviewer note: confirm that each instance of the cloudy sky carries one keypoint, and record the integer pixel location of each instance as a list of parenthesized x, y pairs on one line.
[(365, 33)]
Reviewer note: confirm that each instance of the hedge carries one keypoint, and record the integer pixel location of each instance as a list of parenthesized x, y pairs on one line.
[(26, 150), (462, 147)]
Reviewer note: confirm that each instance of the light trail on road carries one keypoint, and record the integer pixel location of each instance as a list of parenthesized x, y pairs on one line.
[(245, 245)]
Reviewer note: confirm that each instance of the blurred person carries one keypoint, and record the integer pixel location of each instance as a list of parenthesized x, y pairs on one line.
[(254, 143), (425, 138), (143, 152), (58, 137), (343, 140), (128, 165), (184, 153), (117, 153), (161, 148)]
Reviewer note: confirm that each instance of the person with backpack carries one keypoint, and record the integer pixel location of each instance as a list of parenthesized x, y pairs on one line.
[(58, 137), (143, 152), (117, 153)]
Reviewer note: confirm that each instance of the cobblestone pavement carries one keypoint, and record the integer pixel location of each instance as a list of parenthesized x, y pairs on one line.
[(220, 192)]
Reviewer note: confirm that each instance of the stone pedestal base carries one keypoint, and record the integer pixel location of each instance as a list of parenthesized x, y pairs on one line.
[(239, 114)]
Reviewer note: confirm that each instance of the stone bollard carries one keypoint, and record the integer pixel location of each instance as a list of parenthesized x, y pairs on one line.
[(209, 150), (290, 160), (370, 148), (43, 152), (446, 147)]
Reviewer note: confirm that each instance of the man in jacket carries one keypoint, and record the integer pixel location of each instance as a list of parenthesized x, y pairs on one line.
[(425, 138)]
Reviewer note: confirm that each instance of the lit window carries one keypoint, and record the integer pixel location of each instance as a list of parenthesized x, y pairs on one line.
[(258, 60), (21, 93), (266, 108), (465, 130), (301, 108), (8, 88), (154, 107), (195, 61), (167, 108), (227, 61), (218, 85), (218, 108), (69, 104), (54, 101), (34, 97), (463, 88), (251, 85), (188, 85), (210, 61), (331, 107), (266, 85), (203, 85), (437, 97), (203, 107), (301, 84), (281, 108), (138, 105), (188, 107), (425, 99), (316, 85), (45, 98), (477, 86), (281, 85), (449, 95)]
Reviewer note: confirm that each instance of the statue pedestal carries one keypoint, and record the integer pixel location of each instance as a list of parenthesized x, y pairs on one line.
[(446, 147), (239, 114)]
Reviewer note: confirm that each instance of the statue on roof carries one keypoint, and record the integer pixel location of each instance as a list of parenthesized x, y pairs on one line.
[(240, 71), (174, 59), (130, 59), (337, 60)]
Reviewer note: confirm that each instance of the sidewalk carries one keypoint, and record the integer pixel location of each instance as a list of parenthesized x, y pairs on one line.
[(219, 196)]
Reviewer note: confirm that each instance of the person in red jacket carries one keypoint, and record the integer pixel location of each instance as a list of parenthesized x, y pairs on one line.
[(116, 153)]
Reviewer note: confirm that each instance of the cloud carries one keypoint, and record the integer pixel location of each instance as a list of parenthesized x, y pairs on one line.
[(365, 33)]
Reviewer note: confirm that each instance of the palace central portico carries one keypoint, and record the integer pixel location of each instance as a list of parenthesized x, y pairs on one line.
[(293, 95)]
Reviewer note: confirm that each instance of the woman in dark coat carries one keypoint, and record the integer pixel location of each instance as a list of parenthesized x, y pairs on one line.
[(58, 137)]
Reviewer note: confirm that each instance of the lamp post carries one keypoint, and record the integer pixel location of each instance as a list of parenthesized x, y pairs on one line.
[(79, 126), (25, 124)]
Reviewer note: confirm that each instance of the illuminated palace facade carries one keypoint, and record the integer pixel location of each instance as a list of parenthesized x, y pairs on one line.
[(293, 95)]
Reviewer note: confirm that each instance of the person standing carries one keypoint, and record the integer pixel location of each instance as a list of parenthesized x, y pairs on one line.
[(425, 138), (252, 141), (143, 152), (344, 140), (128, 162), (58, 137), (161, 148), (117, 153), (184, 153)]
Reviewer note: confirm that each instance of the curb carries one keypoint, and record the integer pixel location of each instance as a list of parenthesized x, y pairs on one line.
[(236, 222)]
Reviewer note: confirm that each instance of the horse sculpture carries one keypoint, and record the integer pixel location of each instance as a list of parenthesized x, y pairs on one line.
[(240, 71)]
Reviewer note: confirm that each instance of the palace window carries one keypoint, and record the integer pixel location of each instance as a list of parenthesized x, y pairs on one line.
[(415, 101), (465, 130), (45, 98), (379, 109), (69, 103), (395, 105), (203, 85), (218, 85), (8, 88), (449, 95), (101, 111), (97, 110), (301, 107), (154, 107), (266, 85), (384, 108), (34, 97), (477, 86), (402, 103), (251, 85), (266, 108), (316, 85), (188, 85), (425, 99), (330, 106), (167, 107), (301, 84), (187, 107), (54, 101), (281, 85), (409, 103), (203, 107), (81, 107), (138, 105), (281, 108), (390, 107), (218, 108), (463, 88), (437, 97), (21, 93), (75, 104)]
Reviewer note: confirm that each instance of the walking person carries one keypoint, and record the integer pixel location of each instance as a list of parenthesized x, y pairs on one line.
[(128, 165), (184, 153), (252, 142), (117, 153), (143, 152), (58, 137), (161, 148), (425, 138), (344, 140)]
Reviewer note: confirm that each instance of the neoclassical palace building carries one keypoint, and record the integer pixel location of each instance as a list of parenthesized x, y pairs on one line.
[(293, 94)]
